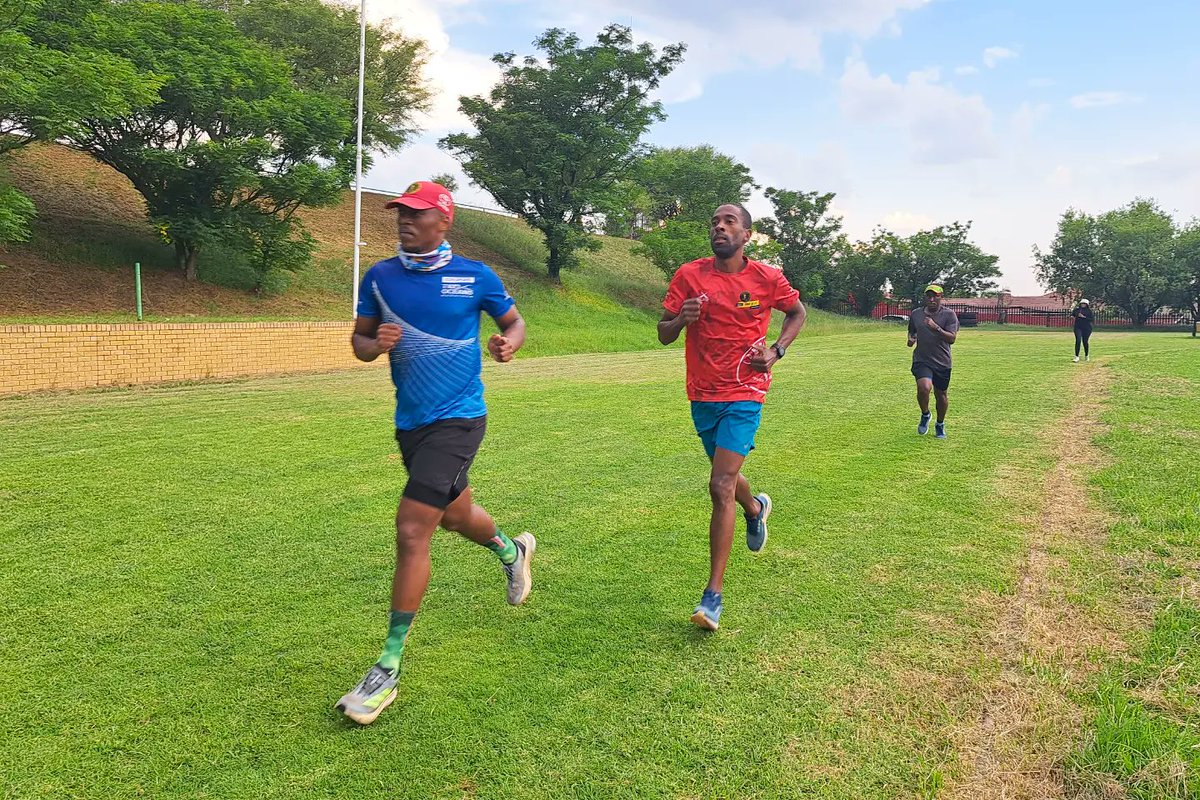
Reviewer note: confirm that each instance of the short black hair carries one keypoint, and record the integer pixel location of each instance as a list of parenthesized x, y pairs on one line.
[(747, 220)]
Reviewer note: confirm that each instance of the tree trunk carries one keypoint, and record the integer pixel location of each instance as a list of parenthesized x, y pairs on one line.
[(185, 259), (554, 265), (189, 272)]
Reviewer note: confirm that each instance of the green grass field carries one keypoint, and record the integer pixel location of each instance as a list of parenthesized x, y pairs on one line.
[(192, 575)]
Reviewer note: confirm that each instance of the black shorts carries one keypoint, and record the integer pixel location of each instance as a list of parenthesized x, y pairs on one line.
[(437, 457), (940, 377)]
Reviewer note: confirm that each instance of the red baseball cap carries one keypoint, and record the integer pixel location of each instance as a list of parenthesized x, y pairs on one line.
[(426, 194)]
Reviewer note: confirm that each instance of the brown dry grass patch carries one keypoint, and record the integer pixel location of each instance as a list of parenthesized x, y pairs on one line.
[(1045, 644)]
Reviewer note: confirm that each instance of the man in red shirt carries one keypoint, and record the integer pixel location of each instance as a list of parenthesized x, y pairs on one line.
[(725, 303)]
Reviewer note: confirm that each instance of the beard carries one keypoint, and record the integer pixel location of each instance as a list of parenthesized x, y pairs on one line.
[(723, 250)]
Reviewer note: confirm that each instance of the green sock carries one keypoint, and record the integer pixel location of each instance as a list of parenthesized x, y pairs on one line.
[(393, 648), (503, 547)]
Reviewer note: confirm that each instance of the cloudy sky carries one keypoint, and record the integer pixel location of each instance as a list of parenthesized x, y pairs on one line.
[(915, 112)]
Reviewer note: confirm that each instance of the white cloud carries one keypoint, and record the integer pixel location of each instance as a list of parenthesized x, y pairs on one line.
[(762, 35), (1061, 177), (451, 72), (1103, 99), (1026, 118), (994, 55), (1168, 166), (781, 164), (906, 223), (966, 69), (944, 127)]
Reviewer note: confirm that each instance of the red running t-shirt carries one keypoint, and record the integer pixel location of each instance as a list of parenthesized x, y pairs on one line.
[(735, 311)]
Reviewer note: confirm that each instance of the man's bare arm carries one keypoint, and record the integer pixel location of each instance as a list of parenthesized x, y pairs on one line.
[(371, 339), (505, 344)]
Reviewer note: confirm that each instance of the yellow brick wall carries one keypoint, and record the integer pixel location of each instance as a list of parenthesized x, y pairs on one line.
[(40, 357)]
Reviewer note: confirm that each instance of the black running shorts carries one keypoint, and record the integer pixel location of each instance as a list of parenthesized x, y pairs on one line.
[(437, 457), (940, 377)]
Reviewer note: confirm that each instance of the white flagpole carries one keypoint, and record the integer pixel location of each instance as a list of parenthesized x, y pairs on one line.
[(362, 62)]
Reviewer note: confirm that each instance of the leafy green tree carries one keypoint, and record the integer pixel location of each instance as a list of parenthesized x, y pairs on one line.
[(231, 146), (690, 182), (808, 234), (765, 250), (943, 255), (447, 180), (320, 42), (16, 212), (625, 208), (1068, 266), (556, 133), (675, 183), (861, 270), (1187, 249), (1128, 258), (675, 243), (46, 92), (51, 81)]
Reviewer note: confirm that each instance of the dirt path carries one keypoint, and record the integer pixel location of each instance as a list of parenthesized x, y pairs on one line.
[(1043, 642)]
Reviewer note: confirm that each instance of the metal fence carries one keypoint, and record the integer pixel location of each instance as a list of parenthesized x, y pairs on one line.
[(973, 313)]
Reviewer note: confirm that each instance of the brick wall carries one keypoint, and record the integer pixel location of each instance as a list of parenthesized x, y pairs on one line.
[(40, 357)]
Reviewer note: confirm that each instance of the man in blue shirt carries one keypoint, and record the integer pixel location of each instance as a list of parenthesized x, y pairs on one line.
[(422, 309)]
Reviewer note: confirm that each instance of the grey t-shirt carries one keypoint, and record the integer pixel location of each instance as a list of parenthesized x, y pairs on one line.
[(931, 348)]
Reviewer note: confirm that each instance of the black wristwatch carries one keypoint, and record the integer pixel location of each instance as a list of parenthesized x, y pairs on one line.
[(779, 351)]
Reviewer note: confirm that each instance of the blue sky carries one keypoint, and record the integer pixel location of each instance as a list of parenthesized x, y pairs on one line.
[(914, 112)]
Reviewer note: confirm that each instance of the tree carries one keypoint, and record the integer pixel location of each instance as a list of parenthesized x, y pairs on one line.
[(231, 146), (16, 212), (943, 255), (1072, 258), (320, 42), (447, 180), (690, 182), (48, 87), (1187, 249), (862, 268), (1128, 258), (625, 208), (676, 183), (675, 243), (808, 234), (44, 91), (555, 134)]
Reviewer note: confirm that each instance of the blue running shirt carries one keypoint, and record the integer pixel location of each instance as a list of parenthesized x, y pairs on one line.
[(436, 365)]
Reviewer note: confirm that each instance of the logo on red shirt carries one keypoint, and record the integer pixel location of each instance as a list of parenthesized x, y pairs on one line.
[(744, 301)]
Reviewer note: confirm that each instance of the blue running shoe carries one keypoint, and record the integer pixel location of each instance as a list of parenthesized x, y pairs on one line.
[(708, 614), (923, 425), (940, 430), (756, 527)]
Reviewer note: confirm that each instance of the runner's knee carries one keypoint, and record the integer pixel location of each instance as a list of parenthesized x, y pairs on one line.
[(722, 487), (412, 537)]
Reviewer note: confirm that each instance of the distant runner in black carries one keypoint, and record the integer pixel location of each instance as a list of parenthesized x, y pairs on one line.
[(1083, 327)]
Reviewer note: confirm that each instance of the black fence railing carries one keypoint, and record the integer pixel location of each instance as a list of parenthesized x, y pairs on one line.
[(974, 313)]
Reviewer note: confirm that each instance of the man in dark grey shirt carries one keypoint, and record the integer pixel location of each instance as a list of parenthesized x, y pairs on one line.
[(932, 329)]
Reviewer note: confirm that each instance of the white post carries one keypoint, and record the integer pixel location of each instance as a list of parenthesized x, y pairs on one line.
[(362, 62)]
